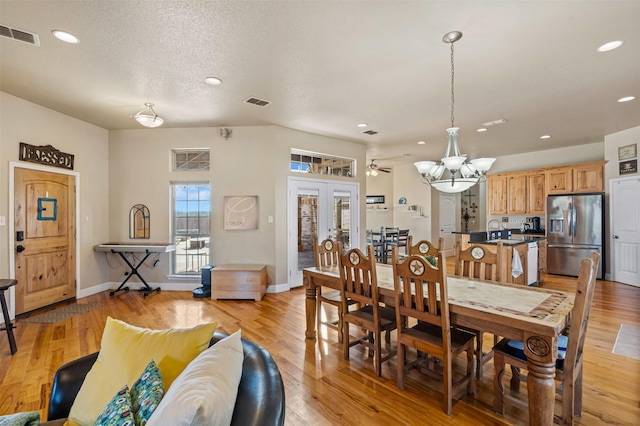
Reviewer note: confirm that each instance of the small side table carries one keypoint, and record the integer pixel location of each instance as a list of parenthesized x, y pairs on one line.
[(8, 325)]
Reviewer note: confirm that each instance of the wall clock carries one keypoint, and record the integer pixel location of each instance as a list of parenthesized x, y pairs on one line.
[(477, 253)]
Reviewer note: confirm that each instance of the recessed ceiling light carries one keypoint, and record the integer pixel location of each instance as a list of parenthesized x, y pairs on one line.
[(362, 125), (421, 142), (626, 99), (65, 36), (481, 129), (214, 81), (545, 137), (610, 46)]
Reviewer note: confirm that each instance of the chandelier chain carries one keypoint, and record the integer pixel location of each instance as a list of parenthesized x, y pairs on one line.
[(452, 93)]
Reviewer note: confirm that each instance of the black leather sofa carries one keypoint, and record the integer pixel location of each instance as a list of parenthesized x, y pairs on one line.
[(260, 401)]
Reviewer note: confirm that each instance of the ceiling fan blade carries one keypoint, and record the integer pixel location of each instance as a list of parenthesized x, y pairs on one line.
[(384, 169)]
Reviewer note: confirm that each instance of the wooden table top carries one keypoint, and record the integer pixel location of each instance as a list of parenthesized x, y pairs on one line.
[(520, 307)]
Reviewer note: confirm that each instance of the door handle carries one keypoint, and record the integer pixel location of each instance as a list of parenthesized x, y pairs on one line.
[(20, 248), (615, 237)]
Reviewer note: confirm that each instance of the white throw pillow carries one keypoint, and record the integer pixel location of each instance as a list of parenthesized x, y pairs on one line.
[(205, 392)]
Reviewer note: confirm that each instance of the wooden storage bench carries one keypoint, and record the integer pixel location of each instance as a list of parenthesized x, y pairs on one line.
[(239, 282)]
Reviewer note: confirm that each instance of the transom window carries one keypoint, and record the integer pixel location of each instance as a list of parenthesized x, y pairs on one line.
[(191, 159), (310, 162), (191, 227)]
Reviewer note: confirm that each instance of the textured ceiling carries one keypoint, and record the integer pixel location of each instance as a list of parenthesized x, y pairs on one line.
[(328, 65)]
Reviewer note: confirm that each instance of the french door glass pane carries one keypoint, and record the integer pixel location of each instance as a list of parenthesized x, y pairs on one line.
[(307, 228)]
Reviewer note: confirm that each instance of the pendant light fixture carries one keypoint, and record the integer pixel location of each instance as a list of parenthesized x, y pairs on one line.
[(148, 117), (453, 173)]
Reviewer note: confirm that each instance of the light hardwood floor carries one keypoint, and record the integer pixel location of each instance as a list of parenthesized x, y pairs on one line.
[(321, 387)]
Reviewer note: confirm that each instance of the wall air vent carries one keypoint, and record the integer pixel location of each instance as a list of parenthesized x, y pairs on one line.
[(370, 132), (256, 101), (20, 35)]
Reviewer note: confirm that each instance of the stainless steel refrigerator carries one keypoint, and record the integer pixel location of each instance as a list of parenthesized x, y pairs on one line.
[(575, 226)]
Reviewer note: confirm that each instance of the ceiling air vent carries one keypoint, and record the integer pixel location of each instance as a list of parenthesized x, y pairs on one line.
[(19, 35), (370, 132), (256, 101)]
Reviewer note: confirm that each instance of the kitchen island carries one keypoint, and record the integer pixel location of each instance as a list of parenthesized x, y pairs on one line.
[(525, 246)]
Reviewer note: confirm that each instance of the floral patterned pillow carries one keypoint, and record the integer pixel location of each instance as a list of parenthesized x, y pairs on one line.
[(118, 412), (146, 393)]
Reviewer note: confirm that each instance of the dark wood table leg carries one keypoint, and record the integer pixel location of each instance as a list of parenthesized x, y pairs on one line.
[(310, 307)]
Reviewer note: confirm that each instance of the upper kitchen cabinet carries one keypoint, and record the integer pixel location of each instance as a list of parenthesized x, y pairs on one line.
[(585, 177), (588, 177), (536, 193), (497, 194), (516, 193)]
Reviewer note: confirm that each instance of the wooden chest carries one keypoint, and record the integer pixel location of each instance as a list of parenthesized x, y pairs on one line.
[(239, 282)]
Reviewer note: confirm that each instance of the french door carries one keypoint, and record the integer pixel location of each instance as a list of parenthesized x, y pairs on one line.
[(319, 209)]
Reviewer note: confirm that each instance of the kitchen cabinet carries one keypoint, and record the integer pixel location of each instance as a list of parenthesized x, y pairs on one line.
[(559, 180), (536, 193), (517, 193), (542, 259), (497, 194), (588, 177), (585, 177)]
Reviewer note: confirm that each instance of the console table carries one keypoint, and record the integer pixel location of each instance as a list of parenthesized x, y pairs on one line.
[(130, 248), (239, 282)]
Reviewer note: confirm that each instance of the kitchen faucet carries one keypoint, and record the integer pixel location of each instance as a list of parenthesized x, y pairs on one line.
[(498, 224)]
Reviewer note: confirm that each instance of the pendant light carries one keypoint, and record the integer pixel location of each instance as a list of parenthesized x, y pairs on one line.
[(453, 173), (148, 117)]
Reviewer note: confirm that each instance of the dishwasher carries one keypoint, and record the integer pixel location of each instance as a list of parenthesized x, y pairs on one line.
[(532, 263)]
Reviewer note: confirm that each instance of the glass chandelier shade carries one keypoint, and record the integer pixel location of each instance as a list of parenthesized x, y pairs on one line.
[(148, 117), (453, 173)]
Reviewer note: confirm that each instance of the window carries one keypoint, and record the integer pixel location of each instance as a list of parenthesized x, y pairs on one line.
[(309, 162), (191, 218), (190, 159)]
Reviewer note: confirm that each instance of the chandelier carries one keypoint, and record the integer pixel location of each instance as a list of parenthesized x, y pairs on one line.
[(148, 117), (453, 173)]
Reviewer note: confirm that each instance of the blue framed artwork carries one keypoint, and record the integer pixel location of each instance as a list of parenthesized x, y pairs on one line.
[(47, 209)]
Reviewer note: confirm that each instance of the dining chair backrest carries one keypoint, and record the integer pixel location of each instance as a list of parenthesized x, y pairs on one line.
[(413, 277), (424, 247), (358, 276), (479, 261), (327, 253), (580, 312)]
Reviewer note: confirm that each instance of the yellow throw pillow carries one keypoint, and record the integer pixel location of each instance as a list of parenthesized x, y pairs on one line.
[(125, 350)]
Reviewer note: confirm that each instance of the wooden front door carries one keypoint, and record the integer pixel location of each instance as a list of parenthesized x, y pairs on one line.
[(45, 238)]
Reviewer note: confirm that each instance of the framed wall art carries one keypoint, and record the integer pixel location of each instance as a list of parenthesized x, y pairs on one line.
[(627, 152), (240, 212)]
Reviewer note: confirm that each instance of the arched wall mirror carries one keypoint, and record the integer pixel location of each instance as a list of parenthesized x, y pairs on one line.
[(139, 221)]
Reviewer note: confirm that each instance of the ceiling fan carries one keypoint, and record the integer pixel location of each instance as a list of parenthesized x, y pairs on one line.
[(373, 169)]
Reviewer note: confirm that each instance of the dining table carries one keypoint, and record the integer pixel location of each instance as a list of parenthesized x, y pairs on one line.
[(533, 315)]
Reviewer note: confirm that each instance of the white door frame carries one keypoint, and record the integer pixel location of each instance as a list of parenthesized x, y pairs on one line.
[(449, 242), (326, 190), (13, 165), (612, 244)]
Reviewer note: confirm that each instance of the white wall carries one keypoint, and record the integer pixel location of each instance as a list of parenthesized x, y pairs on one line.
[(23, 121)]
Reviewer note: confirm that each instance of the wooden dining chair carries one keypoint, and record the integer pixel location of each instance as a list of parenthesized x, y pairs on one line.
[(478, 261), (570, 350), (424, 247), (424, 324), (328, 253), (360, 285)]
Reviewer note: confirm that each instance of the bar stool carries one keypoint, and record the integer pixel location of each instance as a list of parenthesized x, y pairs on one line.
[(8, 325)]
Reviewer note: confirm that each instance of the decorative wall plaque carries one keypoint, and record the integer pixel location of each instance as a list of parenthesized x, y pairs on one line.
[(47, 155)]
